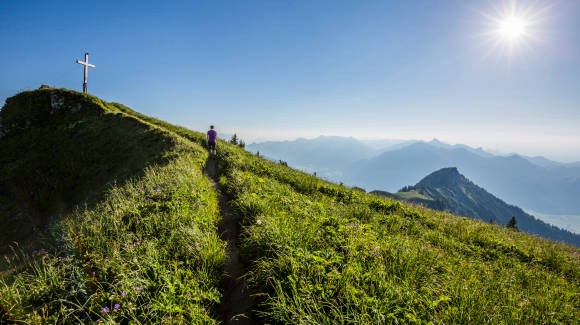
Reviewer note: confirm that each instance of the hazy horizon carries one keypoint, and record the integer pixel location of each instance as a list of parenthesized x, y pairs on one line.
[(501, 149)]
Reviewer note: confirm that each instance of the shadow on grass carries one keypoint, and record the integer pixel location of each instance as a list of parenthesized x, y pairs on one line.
[(54, 161)]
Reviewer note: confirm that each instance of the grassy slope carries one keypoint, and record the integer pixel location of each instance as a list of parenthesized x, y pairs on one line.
[(150, 244), (414, 194), (315, 252), (321, 253), (61, 149)]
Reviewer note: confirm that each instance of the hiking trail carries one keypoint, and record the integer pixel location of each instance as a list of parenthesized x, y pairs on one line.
[(236, 302)]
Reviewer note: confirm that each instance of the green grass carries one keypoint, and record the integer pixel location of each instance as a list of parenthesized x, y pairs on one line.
[(315, 252), (414, 194), (322, 253), (56, 158), (149, 244)]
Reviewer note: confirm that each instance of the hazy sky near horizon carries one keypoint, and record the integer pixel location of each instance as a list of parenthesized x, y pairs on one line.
[(288, 69)]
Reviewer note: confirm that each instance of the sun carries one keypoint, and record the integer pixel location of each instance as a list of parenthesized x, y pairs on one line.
[(512, 28)]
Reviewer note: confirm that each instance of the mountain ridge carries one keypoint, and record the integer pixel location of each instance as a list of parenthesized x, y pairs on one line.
[(448, 190)]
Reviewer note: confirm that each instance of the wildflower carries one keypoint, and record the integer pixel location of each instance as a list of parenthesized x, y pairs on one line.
[(117, 306), (259, 221), (93, 273), (135, 244), (106, 310), (124, 293), (166, 317), (139, 289), (188, 293)]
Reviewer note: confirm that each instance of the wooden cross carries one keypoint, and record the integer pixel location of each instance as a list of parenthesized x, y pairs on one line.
[(87, 65)]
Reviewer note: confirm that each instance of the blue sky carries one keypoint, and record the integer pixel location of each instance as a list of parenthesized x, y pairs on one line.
[(287, 69)]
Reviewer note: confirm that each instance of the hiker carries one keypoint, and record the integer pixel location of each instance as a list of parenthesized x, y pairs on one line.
[(211, 140)]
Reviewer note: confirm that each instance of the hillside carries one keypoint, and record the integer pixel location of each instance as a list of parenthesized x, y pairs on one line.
[(61, 149), (120, 213), (448, 190), (148, 250)]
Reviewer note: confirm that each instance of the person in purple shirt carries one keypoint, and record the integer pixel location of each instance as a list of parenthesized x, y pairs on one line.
[(211, 140)]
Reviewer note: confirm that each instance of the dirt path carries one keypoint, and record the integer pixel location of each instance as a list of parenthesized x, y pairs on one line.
[(236, 303)]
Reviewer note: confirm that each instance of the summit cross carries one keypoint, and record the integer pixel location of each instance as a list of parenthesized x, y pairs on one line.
[(87, 65)]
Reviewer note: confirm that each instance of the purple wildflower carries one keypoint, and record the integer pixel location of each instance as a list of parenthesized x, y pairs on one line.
[(93, 273), (117, 306), (166, 317), (188, 293), (106, 310), (124, 293), (139, 289)]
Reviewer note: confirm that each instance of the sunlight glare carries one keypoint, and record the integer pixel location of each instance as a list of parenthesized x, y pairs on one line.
[(512, 27)]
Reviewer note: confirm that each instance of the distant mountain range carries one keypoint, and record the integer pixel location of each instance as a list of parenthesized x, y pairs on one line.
[(448, 190), (533, 183), (553, 189), (328, 156)]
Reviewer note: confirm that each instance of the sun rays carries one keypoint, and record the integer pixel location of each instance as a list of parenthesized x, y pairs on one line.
[(512, 28)]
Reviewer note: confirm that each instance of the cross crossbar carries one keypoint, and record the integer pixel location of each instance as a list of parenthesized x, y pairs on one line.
[(85, 63)]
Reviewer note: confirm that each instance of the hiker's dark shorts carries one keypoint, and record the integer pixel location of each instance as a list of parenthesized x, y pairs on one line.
[(211, 145)]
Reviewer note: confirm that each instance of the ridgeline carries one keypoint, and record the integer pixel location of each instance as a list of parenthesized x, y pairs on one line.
[(448, 190)]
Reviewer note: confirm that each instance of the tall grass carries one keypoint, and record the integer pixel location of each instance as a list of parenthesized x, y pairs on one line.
[(148, 251), (315, 253), (322, 253)]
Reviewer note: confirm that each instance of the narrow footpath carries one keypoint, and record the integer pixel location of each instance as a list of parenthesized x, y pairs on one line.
[(236, 302)]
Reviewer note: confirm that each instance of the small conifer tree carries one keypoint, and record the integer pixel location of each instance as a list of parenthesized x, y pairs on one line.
[(512, 223), (234, 139)]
